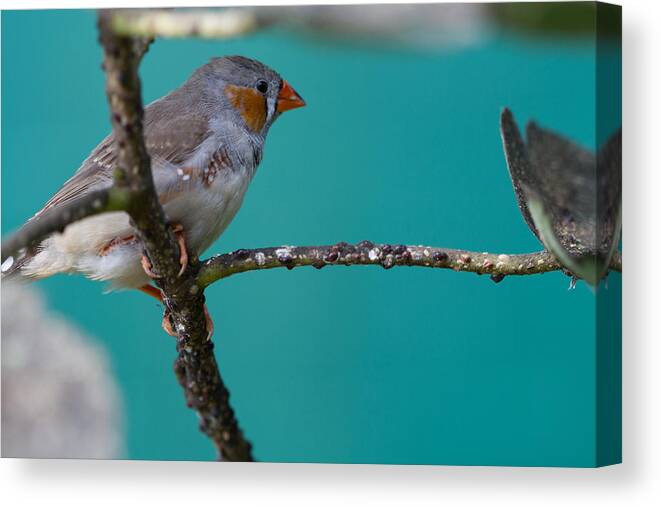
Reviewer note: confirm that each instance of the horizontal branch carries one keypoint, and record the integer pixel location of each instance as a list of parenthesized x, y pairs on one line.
[(56, 219), (385, 255), (218, 24)]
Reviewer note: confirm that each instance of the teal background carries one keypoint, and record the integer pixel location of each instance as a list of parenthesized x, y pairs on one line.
[(344, 364)]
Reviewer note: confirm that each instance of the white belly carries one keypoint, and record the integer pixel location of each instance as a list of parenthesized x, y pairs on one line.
[(204, 213), (79, 249)]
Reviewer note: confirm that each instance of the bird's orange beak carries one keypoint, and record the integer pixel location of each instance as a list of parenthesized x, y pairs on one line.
[(288, 98)]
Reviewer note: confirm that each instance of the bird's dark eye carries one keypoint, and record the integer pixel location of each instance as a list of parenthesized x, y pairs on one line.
[(262, 86)]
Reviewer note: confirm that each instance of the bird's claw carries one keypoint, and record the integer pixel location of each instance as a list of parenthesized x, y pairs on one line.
[(146, 266), (166, 323), (178, 231), (209, 323), (183, 253)]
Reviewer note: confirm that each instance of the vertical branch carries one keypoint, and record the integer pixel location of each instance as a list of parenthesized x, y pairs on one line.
[(195, 367), (134, 165)]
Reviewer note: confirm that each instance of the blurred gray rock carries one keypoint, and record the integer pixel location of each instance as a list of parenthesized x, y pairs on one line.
[(59, 398)]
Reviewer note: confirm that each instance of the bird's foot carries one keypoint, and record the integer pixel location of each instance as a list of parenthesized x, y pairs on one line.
[(178, 231), (156, 293), (167, 324)]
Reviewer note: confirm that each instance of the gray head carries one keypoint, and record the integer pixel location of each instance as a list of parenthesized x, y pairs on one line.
[(254, 93)]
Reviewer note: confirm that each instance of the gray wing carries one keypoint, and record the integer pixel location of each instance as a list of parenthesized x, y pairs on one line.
[(518, 164), (94, 174), (569, 197), (564, 175), (171, 136)]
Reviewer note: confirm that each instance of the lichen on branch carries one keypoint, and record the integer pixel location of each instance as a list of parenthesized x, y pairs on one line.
[(387, 256)]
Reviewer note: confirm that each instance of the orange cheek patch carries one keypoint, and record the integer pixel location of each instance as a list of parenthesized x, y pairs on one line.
[(250, 103)]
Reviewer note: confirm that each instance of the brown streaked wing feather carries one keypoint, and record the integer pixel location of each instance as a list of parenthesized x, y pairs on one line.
[(94, 174), (173, 133), (171, 136)]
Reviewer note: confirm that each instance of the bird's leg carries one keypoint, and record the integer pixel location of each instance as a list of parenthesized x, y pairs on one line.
[(166, 323), (178, 231)]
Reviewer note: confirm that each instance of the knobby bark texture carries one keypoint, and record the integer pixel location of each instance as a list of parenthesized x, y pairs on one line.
[(195, 366), (386, 255)]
